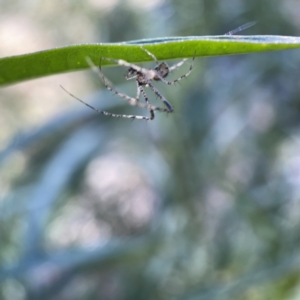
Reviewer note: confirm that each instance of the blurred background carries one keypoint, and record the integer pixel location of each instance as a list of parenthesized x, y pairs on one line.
[(203, 203)]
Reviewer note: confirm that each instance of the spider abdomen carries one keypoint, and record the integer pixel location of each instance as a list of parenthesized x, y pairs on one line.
[(162, 70)]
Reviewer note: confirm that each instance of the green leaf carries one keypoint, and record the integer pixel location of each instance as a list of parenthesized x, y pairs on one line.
[(71, 58)]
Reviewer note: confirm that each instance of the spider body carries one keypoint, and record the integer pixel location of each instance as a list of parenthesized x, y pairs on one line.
[(160, 71)]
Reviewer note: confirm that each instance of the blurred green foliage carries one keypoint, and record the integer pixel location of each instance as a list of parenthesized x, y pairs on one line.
[(200, 204)]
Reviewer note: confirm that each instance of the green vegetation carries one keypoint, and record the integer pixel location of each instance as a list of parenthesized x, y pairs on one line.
[(71, 58), (199, 204)]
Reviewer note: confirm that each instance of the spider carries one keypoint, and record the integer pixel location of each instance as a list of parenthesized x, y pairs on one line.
[(143, 78)]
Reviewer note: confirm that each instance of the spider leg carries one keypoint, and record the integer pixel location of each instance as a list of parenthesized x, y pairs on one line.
[(160, 96), (138, 93), (150, 54), (124, 63), (178, 64), (140, 88), (129, 77), (108, 113), (95, 69)]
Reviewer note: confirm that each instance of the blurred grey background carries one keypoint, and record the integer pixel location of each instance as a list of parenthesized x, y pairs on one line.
[(203, 203)]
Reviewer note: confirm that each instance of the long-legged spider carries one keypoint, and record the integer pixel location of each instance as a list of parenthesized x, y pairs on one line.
[(144, 78)]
